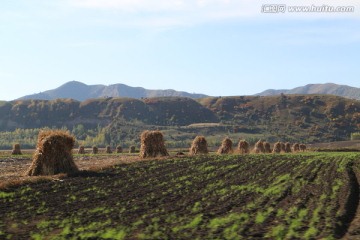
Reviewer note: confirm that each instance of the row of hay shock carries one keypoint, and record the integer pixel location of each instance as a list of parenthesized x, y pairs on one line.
[(95, 150), (53, 153), (287, 148), (17, 150), (262, 147), (199, 146)]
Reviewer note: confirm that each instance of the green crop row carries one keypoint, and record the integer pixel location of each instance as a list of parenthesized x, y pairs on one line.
[(294, 196)]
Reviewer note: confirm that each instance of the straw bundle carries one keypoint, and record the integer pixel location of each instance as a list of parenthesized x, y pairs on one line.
[(81, 150), (108, 149), (283, 148), (132, 149), (16, 149), (302, 147), (287, 147), (53, 154), (226, 146), (95, 150), (152, 144), (267, 147), (259, 147), (199, 146), (277, 147), (119, 149), (243, 147), (296, 147)]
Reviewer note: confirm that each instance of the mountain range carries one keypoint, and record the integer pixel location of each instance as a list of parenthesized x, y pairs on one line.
[(327, 88), (80, 92)]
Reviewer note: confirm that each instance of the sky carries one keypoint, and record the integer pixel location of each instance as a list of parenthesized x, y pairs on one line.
[(214, 47)]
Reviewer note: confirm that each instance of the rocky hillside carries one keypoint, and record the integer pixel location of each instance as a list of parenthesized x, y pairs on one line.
[(311, 118), (68, 112)]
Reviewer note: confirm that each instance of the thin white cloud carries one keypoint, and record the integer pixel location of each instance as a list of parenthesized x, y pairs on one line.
[(130, 5), (168, 13), (160, 15), (246, 7)]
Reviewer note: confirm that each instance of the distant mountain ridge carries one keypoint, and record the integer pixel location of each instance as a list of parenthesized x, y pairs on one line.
[(327, 88), (80, 92)]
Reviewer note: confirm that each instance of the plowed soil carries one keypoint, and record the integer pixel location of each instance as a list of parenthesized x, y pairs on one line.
[(285, 196)]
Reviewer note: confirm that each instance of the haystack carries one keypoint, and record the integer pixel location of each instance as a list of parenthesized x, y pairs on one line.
[(283, 148), (226, 146), (277, 147), (259, 147), (152, 144), (243, 147), (95, 150), (119, 149), (132, 149), (53, 154), (81, 150), (296, 147), (16, 149), (302, 147), (267, 147), (287, 147), (108, 149), (199, 146)]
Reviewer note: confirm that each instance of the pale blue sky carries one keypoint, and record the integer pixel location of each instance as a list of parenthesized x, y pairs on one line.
[(215, 47)]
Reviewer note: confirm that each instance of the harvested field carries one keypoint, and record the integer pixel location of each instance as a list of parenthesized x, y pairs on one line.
[(11, 168), (287, 196)]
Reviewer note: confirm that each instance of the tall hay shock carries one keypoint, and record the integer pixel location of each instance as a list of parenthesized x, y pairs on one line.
[(53, 154), (283, 148), (108, 150), (259, 147), (243, 147), (296, 147), (16, 149), (287, 147), (302, 147), (277, 147), (81, 150), (226, 146), (199, 146), (152, 144), (267, 147), (119, 149), (95, 150), (132, 149)]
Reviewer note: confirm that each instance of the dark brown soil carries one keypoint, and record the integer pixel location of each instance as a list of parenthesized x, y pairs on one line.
[(286, 196)]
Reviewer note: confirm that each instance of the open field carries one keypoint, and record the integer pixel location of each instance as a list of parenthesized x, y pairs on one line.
[(292, 196), (337, 146), (13, 167)]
